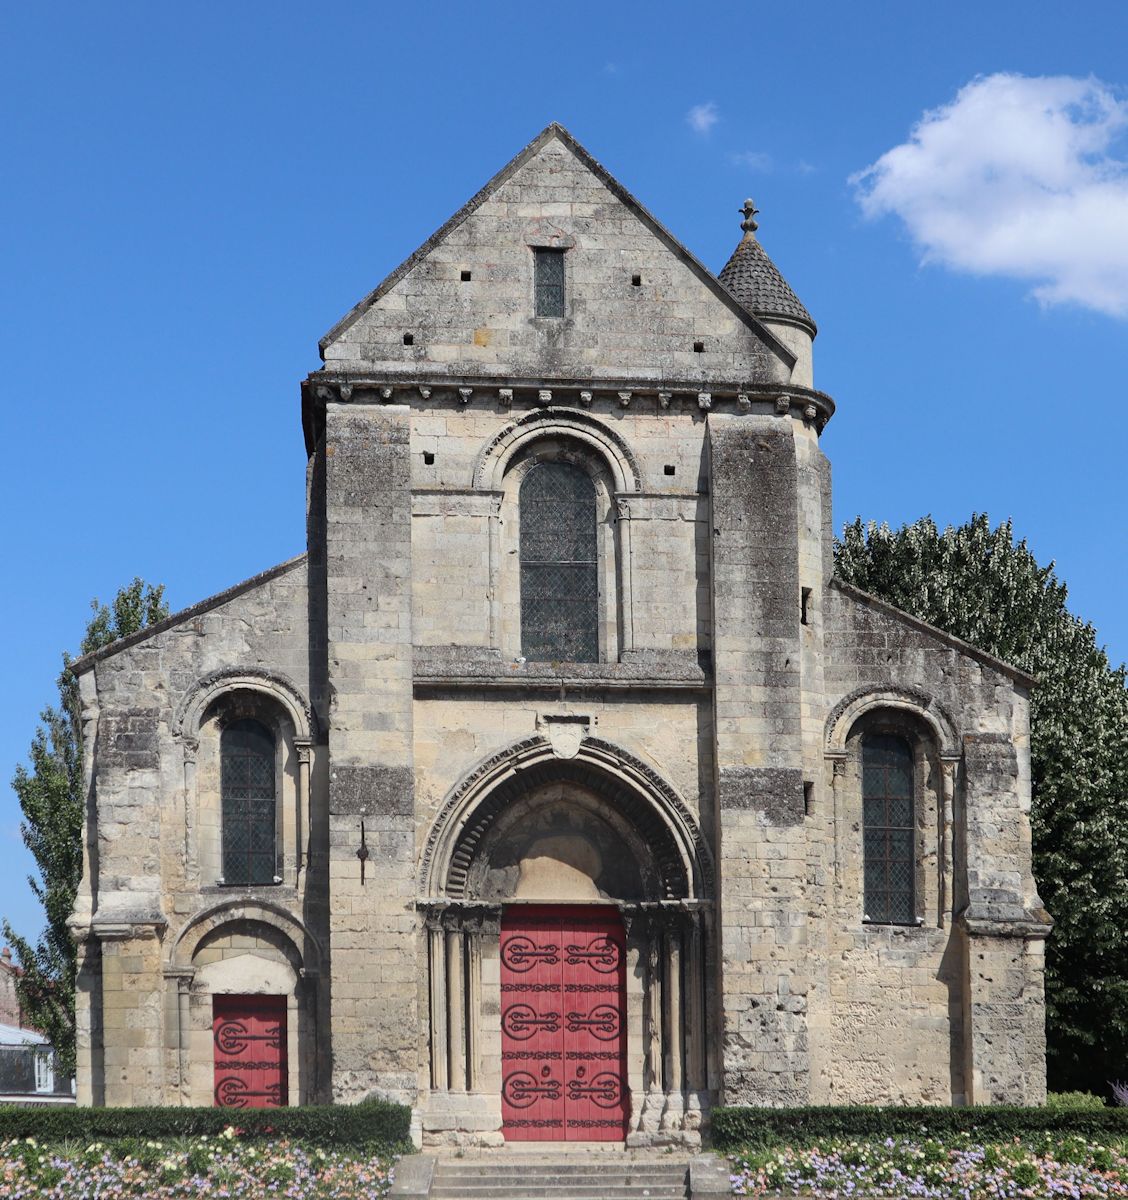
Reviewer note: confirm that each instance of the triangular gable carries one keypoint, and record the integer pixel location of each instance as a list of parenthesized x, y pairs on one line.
[(717, 292)]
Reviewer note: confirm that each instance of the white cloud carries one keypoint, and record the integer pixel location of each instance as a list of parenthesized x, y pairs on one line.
[(754, 160), (1019, 177), (702, 117)]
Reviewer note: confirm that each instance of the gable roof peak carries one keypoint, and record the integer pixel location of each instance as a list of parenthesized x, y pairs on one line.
[(554, 130)]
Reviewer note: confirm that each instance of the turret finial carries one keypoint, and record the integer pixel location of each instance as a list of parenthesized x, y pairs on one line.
[(750, 212)]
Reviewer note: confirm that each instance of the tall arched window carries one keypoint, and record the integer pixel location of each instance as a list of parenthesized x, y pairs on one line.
[(559, 565), (889, 829), (247, 788)]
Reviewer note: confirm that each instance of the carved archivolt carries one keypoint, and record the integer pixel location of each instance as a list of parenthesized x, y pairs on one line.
[(263, 912), (191, 709), (628, 784), (926, 708), (562, 422)]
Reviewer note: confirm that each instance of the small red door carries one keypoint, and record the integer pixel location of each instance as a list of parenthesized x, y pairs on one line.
[(563, 1028), (249, 1036)]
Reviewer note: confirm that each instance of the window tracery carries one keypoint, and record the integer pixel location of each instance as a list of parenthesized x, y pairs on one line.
[(248, 802), (559, 564)]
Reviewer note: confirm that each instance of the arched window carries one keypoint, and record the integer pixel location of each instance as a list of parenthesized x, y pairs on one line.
[(247, 790), (559, 565), (889, 829)]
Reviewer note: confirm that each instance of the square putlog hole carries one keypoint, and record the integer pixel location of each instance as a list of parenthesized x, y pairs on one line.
[(698, 347), (409, 339), (465, 276)]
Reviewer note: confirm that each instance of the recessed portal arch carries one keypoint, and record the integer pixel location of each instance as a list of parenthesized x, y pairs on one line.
[(540, 835), (619, 790)]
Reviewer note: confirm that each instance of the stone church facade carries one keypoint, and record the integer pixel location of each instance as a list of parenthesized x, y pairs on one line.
[(559, 790)]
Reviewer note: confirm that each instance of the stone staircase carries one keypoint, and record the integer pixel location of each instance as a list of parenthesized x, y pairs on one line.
[(531, 1172), (527, 1177)]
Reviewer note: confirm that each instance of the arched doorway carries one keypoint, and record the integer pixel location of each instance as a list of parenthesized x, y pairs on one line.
[(560, 857)]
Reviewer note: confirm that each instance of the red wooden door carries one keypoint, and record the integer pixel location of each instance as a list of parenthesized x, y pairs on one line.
[(563, 1026), (249, 1036)]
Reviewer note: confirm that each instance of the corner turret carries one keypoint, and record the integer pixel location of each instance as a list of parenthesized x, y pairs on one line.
[(752, 277)]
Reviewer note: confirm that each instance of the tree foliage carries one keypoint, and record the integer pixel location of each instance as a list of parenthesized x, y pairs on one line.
[(979, 584), (49, 790)]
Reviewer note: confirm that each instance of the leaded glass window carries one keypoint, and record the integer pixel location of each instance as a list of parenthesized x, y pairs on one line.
[(247, 788), (888, 829), (548, 282), (559, 567)]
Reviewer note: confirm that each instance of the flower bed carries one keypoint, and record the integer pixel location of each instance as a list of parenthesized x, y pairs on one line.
[(958, 1169), (220, 1167)]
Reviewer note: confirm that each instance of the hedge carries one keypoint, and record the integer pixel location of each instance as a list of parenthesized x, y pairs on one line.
[(768, 1127), (372, 1122)]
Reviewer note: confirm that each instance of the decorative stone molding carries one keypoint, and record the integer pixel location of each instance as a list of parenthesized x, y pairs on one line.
[(465, 817), (849, 709), (494, 458), (273, 684), (242, 908), (704, 401)]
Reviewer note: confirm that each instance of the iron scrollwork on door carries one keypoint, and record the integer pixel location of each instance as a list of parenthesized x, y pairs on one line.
[(232, 1037), (521, 1021), (233, 1092), (604, 1090), (602, 1022), (601, 954), (522, 953), (522, 1088)]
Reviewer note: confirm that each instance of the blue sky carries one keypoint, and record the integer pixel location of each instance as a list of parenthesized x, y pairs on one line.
[(193, 194)]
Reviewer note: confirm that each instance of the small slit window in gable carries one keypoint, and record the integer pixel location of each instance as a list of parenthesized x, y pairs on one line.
[(548, 281)]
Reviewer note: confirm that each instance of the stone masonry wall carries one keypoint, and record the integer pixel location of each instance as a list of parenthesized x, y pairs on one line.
[(373, 924), (762, 842), (140, 884), (483, 327)]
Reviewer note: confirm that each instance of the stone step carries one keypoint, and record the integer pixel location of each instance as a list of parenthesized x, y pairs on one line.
[(537, 1191), (558, 1181), (569, 1170)]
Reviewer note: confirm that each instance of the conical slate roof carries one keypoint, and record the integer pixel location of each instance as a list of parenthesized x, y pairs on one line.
[(755, 280)]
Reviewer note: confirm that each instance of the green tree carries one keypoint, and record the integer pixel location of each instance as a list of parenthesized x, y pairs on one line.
[(979, 584), (50, 793)]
